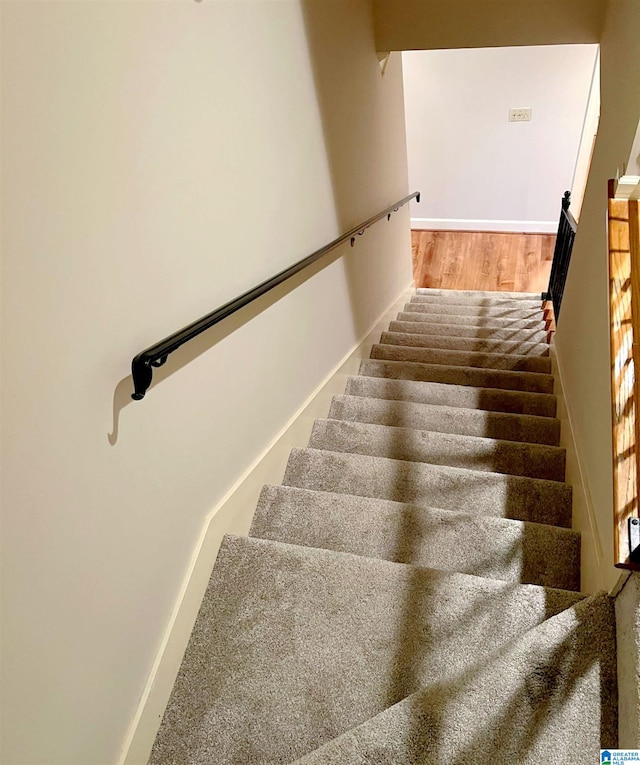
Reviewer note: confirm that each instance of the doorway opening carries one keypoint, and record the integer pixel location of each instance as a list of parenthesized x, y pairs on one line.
[(495, 136)]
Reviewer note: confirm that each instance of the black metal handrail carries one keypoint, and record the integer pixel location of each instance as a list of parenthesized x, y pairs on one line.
[(561, 256), (157, 354)]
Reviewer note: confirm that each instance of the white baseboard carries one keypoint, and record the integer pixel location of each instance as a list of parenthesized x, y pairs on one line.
[(595, 576), (506, 226), (233, 515)]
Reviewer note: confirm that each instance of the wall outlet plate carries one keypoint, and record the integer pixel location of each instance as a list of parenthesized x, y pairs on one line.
[(520, 115)]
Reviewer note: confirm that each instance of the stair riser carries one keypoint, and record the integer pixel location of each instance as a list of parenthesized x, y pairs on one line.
[(469, 345), (422, 446), (506, 550), (460, 330), (479, 378), (461, 358), (493, 312), (524, 499), (458, 396), (471, 321), (443, 419)]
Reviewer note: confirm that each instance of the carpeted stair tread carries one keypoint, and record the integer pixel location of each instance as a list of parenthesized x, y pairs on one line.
[(480, 545), (469, 344), (470, 452), (520, 304), (471, 296), (462, 330), (478, 377), (469, 321), (447, 419), (549, 696), (485, 312), (463, 396), (486, 360), (409, 594), (294, 646), (449, 488)]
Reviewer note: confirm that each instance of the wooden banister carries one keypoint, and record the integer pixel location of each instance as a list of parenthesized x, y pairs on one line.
[(624, 307)]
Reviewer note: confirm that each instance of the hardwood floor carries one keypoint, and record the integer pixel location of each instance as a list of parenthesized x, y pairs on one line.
[(476, 260)]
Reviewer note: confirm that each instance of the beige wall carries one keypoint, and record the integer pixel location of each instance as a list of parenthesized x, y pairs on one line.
[(424, 24), (582, 340), (158, 158)]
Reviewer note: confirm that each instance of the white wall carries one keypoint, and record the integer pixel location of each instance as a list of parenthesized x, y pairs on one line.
[(477, 170), (582, 339), (159, 158), (587, 142)]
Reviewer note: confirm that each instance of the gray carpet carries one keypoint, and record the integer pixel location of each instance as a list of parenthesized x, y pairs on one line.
[(512, 312), (475, 296), (470, 321), (409, 594), (517, 497), (450, 357), (531, 303), (446, 419), (472, 344), (452, 374), (463, 330), (531, 703), (427, 536), (485, 454), (458, 396)]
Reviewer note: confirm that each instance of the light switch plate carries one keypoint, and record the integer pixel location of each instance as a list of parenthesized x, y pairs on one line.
[(520, 115)]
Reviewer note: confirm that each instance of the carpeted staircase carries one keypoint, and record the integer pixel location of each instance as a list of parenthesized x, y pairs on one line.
[(409, 594)]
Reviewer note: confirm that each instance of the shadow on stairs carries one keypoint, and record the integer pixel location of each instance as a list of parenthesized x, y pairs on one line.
[(410, 593)]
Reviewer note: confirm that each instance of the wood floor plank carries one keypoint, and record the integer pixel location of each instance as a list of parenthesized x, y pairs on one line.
[(480, 260), (507, 265), (489, 268), (530, 252), (430, 255), (548, 244)]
